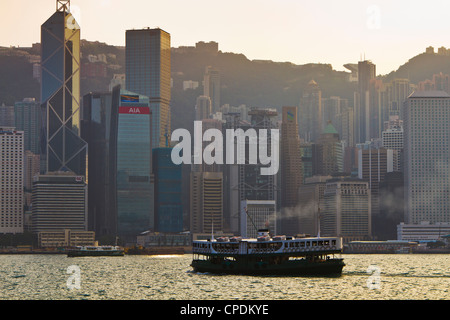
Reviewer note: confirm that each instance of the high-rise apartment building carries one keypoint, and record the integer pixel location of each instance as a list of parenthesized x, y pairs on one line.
[(31, 169), (310, 118), (329, 152), (392, 138), (203, 108), (427, 157), (11, 180), (7, 116), (62, 148), (27, 115), (211, 87), (147, 67)]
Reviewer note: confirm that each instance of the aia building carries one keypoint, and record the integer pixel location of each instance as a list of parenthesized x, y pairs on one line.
[(116, 126), (131, 149)]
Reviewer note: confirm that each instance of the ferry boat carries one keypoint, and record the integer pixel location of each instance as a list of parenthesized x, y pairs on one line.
[(96, 251), (266, 255)]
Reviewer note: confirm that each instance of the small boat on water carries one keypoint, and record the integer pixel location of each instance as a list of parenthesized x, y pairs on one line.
[(266, 255), (96, 251)]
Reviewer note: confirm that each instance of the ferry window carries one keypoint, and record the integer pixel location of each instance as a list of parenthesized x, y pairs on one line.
[(308, 243), (333, 242), (314, 243), (302, 244), (320, 243), (326, 242)]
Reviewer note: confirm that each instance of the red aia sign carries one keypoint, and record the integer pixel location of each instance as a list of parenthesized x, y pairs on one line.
[(134, 110)]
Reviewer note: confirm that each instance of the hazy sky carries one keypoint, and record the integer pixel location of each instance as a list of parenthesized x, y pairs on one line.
[(388, 32)]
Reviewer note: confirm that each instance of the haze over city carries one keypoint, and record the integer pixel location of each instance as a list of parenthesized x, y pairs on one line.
[(388, 33)]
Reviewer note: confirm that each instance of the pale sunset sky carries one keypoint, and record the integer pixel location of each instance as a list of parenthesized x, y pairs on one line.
[(387, 32)]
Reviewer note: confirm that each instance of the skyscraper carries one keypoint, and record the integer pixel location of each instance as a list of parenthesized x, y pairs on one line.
[(206, 201), (346, 211), (27, 115), (168, 201), (7, 116), (291, 158), (131, 161), (62, 148), (291, 167), (99, 130), (427, 157), (366, 72), (211, 87), (203, 108), (310, 113), (148, 73), (11, 182)]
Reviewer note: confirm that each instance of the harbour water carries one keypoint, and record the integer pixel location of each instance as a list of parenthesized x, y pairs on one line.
[(365, 277)]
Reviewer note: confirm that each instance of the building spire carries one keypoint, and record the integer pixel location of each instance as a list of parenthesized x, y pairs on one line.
[(63, 5)]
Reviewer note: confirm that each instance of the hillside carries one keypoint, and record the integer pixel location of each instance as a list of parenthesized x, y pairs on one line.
[(421, 67), (253, 83)]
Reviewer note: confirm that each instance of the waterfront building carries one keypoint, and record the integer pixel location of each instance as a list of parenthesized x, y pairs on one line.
[(291, 168), (62, 148), (311, 196), (59, 201), (391, 206), (167, 192), (99, 130), (147, 67), (257, 214), (291, 160), (424, 231), (206, 202), (131, 161), (427, 157), (373, 164), (65, 238), (11, 180), (346, 211)]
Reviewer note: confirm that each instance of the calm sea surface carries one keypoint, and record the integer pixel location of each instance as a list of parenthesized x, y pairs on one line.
[(374, 277)]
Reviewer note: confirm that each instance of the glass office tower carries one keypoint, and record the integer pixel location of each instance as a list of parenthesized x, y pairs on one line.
[(168, 200), (148, 73), (62, 148), (96, 131), (130, 141)]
